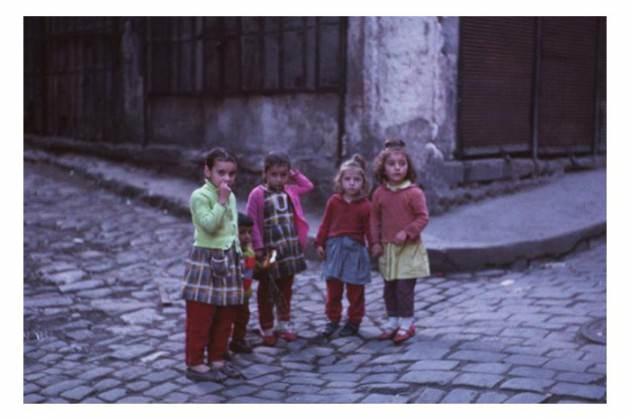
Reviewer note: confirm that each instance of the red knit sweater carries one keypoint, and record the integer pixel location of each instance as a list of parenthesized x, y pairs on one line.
[(394, 211), (345, 219)]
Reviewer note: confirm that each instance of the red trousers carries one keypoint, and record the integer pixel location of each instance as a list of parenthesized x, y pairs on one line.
[(207, 326), (241, 318), (269, 295), (355, 295)]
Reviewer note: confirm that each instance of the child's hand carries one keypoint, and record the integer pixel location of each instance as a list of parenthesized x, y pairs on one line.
[(321, 252), (377, 250), (224, 193), (400, 238)]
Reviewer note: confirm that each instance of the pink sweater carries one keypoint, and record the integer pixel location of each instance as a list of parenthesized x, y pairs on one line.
[(298, 185), (394, 211)]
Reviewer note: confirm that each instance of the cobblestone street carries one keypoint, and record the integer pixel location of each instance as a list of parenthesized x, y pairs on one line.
[(103, 322)]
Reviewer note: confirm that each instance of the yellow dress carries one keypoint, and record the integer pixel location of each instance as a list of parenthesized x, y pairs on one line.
[(408, 261)]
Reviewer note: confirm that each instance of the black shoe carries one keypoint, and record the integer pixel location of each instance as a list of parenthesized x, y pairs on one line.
[(231, 371), (202, 376), (331, 327), (349, 329), (240, 347)]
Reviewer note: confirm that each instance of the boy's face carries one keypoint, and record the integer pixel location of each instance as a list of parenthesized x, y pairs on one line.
[(277, 176), (245, 235)]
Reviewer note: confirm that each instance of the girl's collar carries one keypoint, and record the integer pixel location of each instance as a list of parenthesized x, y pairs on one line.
[(405, 184), (342, 198), (268, 189), (211, 185)]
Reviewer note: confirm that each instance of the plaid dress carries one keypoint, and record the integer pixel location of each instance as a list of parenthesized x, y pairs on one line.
[(279, 233), (214, 276)]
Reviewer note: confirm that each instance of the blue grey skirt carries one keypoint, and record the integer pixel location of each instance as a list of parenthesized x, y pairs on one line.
[(347, 260)]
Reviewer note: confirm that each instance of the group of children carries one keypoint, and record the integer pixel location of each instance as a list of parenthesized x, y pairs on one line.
[(267, 244)]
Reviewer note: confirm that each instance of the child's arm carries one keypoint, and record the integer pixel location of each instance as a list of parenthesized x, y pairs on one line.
[(254, 211), (366, 225), (209, 218), (324, 228), (418, 207), (375, 226), (300, 183)]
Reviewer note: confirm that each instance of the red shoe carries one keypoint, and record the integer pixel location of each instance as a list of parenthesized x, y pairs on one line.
[(268, 340), (403, 335), (288, 335), (387, 334)]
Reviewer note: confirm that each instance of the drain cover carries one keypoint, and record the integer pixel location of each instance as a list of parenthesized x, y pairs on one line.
[(595, 331)]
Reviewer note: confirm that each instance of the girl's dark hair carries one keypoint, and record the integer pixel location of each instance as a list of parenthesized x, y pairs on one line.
[(218, 154), (276, 158), (392, 146), (356, 162)]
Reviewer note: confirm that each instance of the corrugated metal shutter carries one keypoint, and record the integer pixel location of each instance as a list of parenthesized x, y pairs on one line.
[(496, 77), (567, 84)]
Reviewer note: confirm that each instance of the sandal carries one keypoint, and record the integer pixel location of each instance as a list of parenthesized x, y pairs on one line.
[(387, 334), (403, 335), (287, 333), (268, 337)]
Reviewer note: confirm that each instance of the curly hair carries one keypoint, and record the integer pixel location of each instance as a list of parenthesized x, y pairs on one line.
[(393, 146), (356, 162)]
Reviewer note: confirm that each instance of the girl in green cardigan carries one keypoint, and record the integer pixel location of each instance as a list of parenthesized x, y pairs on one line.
[(213, 286)]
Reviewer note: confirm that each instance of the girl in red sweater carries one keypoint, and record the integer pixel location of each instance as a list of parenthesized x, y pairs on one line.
[(399, 214), (341, 242)]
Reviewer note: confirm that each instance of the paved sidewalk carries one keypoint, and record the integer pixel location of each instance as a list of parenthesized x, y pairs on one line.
[(546, 221), (104, 324)]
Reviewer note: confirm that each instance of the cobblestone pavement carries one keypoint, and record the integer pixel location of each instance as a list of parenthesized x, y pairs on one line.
[(103, 322)]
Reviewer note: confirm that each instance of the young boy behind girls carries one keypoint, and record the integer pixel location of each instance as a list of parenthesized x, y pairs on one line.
[(239, 343)]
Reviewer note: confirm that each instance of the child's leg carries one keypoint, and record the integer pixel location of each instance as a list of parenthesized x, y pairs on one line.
[(220, 333), (356, 297), (284, 305), (334, 293), (199, 318), (265, 304), (390, 297), (405, 297), (241, 318)]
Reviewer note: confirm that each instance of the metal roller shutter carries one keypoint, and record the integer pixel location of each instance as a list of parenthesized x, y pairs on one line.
[(496, 77), (567, 84)]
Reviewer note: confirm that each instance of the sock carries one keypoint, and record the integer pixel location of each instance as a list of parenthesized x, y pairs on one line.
[(392, 323), (267, 332), (405, 322)]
